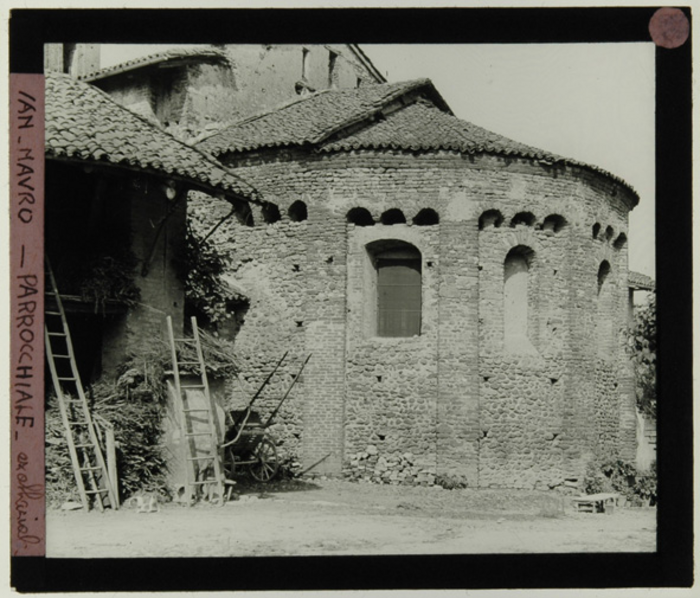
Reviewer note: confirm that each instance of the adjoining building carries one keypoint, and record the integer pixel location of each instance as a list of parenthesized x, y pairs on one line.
[(116, 203)]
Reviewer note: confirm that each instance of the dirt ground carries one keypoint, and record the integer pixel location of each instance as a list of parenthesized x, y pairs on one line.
[(334, 517)]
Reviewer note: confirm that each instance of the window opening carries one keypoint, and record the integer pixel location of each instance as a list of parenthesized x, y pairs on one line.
[(399, 288), (393, 216), (298, 211), (426, 217), (516, 269), (490, 218), (332, 59), (360, 217)]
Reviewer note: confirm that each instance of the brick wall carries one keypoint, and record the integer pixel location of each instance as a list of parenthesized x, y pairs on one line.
[(455, 399)]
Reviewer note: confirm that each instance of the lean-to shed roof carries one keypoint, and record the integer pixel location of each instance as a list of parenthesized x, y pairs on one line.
[(167, 58), (85, 124)]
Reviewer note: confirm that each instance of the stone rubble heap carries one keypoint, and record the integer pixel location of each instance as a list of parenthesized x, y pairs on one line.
[(394, 468)]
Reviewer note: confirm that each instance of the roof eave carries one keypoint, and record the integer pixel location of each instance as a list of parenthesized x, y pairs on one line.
[(188, 182)]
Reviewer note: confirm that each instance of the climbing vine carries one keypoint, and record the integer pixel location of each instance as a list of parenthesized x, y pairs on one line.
[(642, 344), (207, 294)]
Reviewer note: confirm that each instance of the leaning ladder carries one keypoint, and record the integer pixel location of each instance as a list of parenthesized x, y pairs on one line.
[(89, 466), (203, 462)]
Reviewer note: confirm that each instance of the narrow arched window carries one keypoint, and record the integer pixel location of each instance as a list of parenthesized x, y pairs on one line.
[(398, 288), (516, 272), (604, 312)]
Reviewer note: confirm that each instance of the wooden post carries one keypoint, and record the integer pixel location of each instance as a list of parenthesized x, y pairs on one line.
[(112, 463)]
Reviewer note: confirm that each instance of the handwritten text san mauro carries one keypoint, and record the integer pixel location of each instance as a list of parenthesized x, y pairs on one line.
[(27, 337)]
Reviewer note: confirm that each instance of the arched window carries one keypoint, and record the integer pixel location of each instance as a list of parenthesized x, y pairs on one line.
[(526, 218), (490, 218), (516, 268), (604, 315), (398, 287), (609, 232), (554, 223), (393, 216), (620, 241), (426, 217), (297, 211), (360, 217), (270, 213), (595, 231)]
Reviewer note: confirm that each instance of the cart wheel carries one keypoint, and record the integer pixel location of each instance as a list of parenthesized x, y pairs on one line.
[(229, 463), (266, 465)]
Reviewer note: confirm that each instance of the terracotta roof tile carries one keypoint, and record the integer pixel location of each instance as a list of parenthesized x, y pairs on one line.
[(196, 54), (640, 282), (309, 119), (84, 123), (345, 120)]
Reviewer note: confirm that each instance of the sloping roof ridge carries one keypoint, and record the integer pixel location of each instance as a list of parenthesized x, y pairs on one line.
[(155, 58), (263, 114), (406, 87), (255, 194), (367, 61), (640, 281)]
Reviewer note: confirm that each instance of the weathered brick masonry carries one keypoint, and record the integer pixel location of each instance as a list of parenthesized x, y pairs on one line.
[(455, 398)]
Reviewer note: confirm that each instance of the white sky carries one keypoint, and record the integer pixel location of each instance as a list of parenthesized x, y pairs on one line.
[(590, 102)]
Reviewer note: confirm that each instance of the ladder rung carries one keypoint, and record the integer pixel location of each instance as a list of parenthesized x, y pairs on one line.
[(52, 313), (208, 457), (61, 356), (189, 434), (67, 379), (57, 334), (206, 482), (191, 410), (78, 423), (95, 491), (193, 386), (98, 468)]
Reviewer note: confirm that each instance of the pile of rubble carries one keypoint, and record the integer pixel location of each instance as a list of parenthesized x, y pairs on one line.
[(395, 468)]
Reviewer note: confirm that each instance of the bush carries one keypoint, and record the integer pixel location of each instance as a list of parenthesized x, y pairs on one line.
[(616, 475)]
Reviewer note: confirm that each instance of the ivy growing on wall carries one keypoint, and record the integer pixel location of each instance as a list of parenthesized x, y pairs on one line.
[(207, 294), (642, 344)]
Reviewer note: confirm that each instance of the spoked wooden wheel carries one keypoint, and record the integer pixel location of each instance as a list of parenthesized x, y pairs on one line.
[(266, 464), (229, 463)]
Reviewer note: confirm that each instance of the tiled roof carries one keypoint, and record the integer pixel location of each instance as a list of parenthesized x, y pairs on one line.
[(640, 282), (344, 120), (421, 126), (83, 123), (196, 54), (311, 119)]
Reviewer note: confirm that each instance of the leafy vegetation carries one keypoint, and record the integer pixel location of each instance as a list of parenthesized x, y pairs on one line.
[(206, 292), (642, 345), (616, 475)]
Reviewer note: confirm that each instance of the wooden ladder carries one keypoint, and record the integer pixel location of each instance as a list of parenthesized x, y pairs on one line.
[(88, 462), (203, 460)]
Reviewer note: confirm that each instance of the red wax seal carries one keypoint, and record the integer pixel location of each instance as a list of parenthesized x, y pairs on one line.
[(669, 27)]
